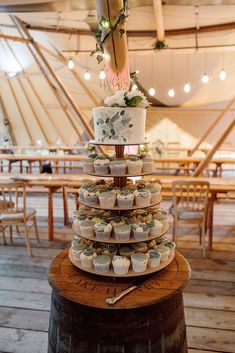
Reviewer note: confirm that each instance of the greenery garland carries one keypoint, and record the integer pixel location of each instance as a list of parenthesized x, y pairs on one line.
[(105, 24)]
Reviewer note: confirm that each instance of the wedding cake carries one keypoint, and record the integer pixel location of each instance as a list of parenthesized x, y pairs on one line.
[(122, 121)]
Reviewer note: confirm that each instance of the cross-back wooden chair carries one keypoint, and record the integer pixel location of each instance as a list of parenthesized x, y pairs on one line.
[(14, 212), (190, 205)]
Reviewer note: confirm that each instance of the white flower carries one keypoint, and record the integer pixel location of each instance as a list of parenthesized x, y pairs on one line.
[(116, 100)]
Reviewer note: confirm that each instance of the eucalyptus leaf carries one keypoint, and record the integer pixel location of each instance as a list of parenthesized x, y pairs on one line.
[(134, 101)]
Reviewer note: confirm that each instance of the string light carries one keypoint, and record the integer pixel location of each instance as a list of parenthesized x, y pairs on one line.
[(70, 64), (102, 75), (152, 91), (222, 75), (187, 87), (205, 78), (171, 92), (87, 75)]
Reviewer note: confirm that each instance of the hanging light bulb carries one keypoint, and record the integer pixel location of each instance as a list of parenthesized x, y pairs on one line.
[(222, 75), (102, 75), (70, 64), (187, 87), (152, 91), (87, 75), (205, 78), (134, 87), (171, 92)]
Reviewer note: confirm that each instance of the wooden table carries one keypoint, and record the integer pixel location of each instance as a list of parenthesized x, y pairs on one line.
[(148, 320)]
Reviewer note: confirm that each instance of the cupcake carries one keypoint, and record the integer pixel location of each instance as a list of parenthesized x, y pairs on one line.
[(107, 199), (134, 165), (108, 249), (148, 165), (101, 263), (126, 251), (102, 231), (140, 247), (142, 197), (77, 249), (88, 166), (161, 216), (164, 251), (155, 227), (101, 165), (139, 262), (140, 231), (87, 228), (76, 223), (91, 196), (96, 247), (154, 258), (121, 264), (170, 245), (155, 193), (118, 167), (125, 198), (122, 232), (86, 258)]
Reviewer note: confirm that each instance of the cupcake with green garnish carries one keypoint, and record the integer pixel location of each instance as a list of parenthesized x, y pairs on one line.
[(142, 197), (164, 251), (140, 231), (121, 264), (118, 167), (87, 228), (86, 258), (122, 232), (140, 247), (107, 199), (161, 215), (155, 193), (101, 165), (101, 263), (77, 249), (139, 262), (134, 165), (82, 189), (125, 198), (155, 227), (102, 231), (170, 245), (88, 166), (96, 247), (116, 220), (126, 250), (154, 258), (148, 165), (91, 197), (108, 249)]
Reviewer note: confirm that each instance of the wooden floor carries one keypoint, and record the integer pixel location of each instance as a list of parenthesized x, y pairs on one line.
[(209, 298)]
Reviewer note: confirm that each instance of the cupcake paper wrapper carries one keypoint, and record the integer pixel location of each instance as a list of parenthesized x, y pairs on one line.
[(102, 268), (142, 201), (153, 263), (134, 169), (141, 235), (117, 170), (91, 200), (107, 203), (125, 203), (138, 266), (102, 235), (101, 169), (89, 232), (122, 236), (121, 270)]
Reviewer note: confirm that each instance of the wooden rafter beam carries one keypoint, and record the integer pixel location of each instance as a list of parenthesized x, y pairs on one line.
[(159, 20), (217, 145), (14, 38), (212, 126), (139, 33)]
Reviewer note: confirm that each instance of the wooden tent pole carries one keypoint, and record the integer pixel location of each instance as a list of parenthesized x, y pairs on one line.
[(211, 127), (207, 159), (20, 110), (8, 118), (159, 20), (72, 104)]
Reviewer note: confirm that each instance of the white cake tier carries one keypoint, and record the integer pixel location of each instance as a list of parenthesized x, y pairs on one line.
[(114, 125)]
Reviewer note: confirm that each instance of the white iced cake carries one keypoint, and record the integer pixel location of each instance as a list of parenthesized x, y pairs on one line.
[(119, 125)]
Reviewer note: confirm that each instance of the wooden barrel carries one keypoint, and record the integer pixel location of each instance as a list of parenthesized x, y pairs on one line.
[(148, 320)]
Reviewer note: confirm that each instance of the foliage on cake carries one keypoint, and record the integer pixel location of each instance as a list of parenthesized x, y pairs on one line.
[(127, 99)]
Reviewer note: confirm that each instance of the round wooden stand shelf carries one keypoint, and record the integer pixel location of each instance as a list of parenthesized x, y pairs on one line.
[(148, 320)]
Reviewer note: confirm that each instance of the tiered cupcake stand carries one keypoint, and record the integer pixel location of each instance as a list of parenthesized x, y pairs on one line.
[(121, 181)]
